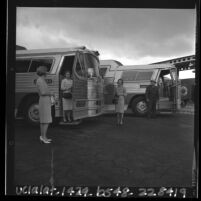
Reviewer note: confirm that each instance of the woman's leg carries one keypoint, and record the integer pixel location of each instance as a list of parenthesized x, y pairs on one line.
[(68, 115), (64, 115), (118, 118), (43, 129), (71, 115), (121, 118)]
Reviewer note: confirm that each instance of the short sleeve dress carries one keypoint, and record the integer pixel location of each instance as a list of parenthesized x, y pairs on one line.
[(121, 93), (66, 85), (44, 101)]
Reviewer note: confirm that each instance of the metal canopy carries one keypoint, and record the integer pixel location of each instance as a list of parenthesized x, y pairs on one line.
[(181, 63)]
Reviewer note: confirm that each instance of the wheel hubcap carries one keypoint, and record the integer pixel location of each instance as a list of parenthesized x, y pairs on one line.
[(141, 107), (34, 113)]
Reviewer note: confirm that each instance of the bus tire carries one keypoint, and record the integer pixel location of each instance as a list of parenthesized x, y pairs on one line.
[(183, 103), (31, 111), (139, 106), (184, 91)]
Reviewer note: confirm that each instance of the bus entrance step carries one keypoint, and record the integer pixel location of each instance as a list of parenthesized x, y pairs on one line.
[(70, 123)]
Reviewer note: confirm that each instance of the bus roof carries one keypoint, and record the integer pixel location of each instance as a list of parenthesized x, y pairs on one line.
[(110, 62), (51, 51), (145, 67)]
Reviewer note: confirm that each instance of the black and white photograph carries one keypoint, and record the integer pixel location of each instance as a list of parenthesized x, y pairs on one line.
[(104, 102)]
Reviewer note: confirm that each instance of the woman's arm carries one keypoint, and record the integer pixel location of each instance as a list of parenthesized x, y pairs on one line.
[(125, 93), (69, 84), (42, 90), (63, 85), (115, 92)]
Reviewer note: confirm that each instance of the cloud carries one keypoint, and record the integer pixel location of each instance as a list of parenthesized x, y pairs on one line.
[(129, 34)]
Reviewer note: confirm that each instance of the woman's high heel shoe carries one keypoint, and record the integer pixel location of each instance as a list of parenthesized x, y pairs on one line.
[(44, 141)]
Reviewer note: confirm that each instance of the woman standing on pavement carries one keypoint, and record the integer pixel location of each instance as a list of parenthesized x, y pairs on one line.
[(119, 106), (66, 87), (44, 103)]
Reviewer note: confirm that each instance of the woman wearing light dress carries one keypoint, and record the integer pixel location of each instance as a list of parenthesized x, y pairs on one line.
[(66, 87), (119, 106), (45, 94)]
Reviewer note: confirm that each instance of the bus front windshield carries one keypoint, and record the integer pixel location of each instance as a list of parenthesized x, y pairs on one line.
[(92, 65)]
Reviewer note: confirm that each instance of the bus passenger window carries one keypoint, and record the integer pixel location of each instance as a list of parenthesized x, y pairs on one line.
[(103, 71), (22, 65), (92, 65), (91, 73), (40, 62), (144, 75)]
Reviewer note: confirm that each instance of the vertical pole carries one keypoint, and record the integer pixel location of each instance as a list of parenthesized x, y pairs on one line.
[(196, 123)]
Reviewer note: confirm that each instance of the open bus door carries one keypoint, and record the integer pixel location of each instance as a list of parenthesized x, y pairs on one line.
[(167, 90), (79, 91), (109, 92), (174, 88)]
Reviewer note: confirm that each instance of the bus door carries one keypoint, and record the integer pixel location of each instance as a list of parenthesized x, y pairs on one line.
[(79, 91), (109, 91), (166, 91), (95, 85), (67, 62), (174, 88)]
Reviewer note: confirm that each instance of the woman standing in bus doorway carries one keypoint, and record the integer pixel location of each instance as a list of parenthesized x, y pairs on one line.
[(66, 87), (44, 103), (119, 106)]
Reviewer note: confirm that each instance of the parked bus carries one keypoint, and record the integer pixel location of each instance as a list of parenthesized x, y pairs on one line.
[(87, 90), (136, 79), (107, 66)]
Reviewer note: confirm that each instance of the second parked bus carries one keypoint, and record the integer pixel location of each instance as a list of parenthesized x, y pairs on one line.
[(136, 79)]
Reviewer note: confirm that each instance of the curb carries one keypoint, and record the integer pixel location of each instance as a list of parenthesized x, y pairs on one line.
[(187, 110)]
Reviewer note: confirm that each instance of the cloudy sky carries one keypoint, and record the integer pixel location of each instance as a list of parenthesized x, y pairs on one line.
[(131, 36)]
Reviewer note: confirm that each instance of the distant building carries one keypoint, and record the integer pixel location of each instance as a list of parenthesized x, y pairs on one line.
[(18, 47)]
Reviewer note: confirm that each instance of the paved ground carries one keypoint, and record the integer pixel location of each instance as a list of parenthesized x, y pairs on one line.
[(188, 109), (155, 152)]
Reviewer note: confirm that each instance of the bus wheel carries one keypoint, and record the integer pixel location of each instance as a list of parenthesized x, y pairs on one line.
[(139, 106), (32, 111), (183, 103)]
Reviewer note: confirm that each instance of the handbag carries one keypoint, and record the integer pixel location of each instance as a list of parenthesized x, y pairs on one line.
[(115, 100), (67, 95), (52, 99)]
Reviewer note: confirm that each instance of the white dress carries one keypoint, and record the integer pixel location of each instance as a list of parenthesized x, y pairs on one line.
[(44, 101), (66, 85), (121, 93)]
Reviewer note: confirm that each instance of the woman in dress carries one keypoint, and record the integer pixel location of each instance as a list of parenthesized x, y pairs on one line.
[(66, 87), (44, 103), (119, 106)]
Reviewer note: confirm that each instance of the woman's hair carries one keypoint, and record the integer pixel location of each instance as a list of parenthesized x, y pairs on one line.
[(41, 70), (120, 80)]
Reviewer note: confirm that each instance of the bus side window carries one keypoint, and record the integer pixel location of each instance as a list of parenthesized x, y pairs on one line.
[(92, 66), (22, 65), (40, 62), (103, 72)]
